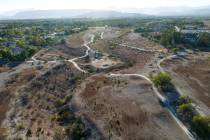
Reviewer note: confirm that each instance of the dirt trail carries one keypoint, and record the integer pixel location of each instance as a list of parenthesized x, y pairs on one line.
[(86, 54)]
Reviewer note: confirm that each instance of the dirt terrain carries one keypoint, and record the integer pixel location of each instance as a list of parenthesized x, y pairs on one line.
[(125, 108), (76, 40), (66, 100), (136, 40), (191, 75), (21, 96), (35, 105), (133, 59), (8, 91), (60, 52)]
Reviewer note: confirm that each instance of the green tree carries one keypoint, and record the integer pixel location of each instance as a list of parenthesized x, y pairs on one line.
[(204, 39), (20, 43), (201, 125), (32, 51), (185, 111), (170, 37), (163, 81), (63, 41), (184, 100), (5, 53)]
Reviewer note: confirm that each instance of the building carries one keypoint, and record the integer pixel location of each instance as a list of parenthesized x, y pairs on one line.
[(17, 50)]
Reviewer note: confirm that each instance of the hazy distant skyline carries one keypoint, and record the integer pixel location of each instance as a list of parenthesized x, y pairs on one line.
[(11, 5)]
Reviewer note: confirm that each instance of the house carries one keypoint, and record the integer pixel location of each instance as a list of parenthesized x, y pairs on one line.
[(98, 55), (190, 38), (10, 44), (17, 50)]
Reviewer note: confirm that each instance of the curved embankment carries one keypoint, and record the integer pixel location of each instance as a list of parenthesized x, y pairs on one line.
[(163, 100)]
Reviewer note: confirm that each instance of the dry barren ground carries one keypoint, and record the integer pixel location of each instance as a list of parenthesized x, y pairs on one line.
[(192, 76), (8, 91), (125, 108), (61, 102), (60, 52), (133, 59), (33, 111), (136, 40), (76, 39)]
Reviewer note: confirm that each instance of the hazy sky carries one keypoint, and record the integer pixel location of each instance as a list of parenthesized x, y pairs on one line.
[(9, 5)]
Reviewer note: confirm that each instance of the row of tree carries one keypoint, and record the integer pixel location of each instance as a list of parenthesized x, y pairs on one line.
[(172, 38), (7, 56)]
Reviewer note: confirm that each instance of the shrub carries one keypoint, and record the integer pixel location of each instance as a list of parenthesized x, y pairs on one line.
[(59, 103), (65, 116), (77, 130), (185, 111), (20, 127), (184, 100), (163, 81), (201, 125), (28, 133), (68, 98)]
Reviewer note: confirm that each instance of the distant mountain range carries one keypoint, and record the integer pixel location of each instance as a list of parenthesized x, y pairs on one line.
[(177, 11), (42, 14), (117, 13)]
